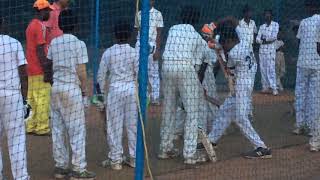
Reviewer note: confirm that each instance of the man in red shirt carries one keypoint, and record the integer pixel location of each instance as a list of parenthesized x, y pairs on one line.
[(39, 70), (52, 24)]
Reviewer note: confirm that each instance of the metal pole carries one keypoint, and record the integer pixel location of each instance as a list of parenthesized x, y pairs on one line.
[(96, 44), (143, 82)]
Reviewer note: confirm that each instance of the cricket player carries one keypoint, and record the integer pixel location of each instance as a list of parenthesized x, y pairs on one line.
[(121, 63), (235, 109), (247, 30), (13, 90), (38, 70), (52, 25), (280, 63), (156, 25), (69, 57), (267, 36), (308, 75), (180, 78)]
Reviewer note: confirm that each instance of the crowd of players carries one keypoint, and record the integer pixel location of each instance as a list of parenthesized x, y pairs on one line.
[(52, 80)]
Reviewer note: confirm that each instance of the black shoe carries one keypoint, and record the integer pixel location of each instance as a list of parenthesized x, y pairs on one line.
[(85, 175), (60, 173), (263, 153), (200, 146)]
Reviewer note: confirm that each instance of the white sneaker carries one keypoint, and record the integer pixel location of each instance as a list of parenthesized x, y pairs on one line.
[(115, 165), (169, 154), (275, 92), (314, 149), (130, 161)]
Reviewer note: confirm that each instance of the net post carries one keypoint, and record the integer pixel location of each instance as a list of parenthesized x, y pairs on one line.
[(143, 82), (96, 44)]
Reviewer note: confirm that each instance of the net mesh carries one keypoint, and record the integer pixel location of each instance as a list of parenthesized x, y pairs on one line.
[(222, 93)]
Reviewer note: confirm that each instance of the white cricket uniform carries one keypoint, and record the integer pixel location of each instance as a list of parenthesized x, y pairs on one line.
[(280, 63), (67, 109), (121, 63), (308, 78), (267, 55), (235, 108), (209, 84), (11, 104), (246, 33), (155, 21), (180, 78)]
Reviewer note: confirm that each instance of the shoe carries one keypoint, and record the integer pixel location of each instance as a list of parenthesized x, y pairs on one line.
[(60, 173), (202, 156), (169, 154), (85, 175), (314, 149), (275, 92), (263, 153), (193, 160), (265, 91), (200, 146), (115, 165), (130, 161)]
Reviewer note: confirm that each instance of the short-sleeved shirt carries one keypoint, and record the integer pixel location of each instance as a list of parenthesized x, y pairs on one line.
[(53, 23), (121, 63), (270, 33), (184, 43), (156, 21), (246, 31), (66, 53), (309, 35), (11, 57), (36, 35), (241, 57)]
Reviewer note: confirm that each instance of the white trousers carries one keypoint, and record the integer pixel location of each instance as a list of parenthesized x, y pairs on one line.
[(121, 111), (235, 108), (308, 100), (180, 79), (12, 125), (68, 121), (268, 70), (153, 74), (208, 110)]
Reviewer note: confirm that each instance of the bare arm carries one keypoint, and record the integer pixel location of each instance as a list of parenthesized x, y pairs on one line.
[(156, 55), (24, 81), (45, 63), (82, 74)]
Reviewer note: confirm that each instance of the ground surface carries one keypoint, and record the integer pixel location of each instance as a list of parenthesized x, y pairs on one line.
[(273, 120)]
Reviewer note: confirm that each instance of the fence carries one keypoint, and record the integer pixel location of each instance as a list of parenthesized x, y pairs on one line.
[(157, 129)]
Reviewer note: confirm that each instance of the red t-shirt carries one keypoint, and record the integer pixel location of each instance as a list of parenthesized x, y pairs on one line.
[(53, 23), (36, 35)]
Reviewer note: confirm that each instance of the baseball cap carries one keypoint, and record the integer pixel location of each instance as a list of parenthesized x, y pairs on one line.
[(42, 4)]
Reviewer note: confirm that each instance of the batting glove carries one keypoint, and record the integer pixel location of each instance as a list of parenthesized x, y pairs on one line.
[(27, 109)]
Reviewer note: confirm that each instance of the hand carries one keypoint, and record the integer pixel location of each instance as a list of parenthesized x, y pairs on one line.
[(27, 109), (48, 77), (156, 55)]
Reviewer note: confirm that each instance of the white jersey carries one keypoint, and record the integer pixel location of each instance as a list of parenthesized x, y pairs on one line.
[(309, 35), (184, 43), (270, 33), (155, 21), (121, 63), (241, 57), (11, 57), (66, 53), (247, 31)]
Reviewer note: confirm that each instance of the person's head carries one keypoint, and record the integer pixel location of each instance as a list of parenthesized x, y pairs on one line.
[(67, 21), (268, 16), (122, 32), (190, 15), (312, 6), (152, 3), (42, 8), (247, 12), (63, 3), (226, 28)]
